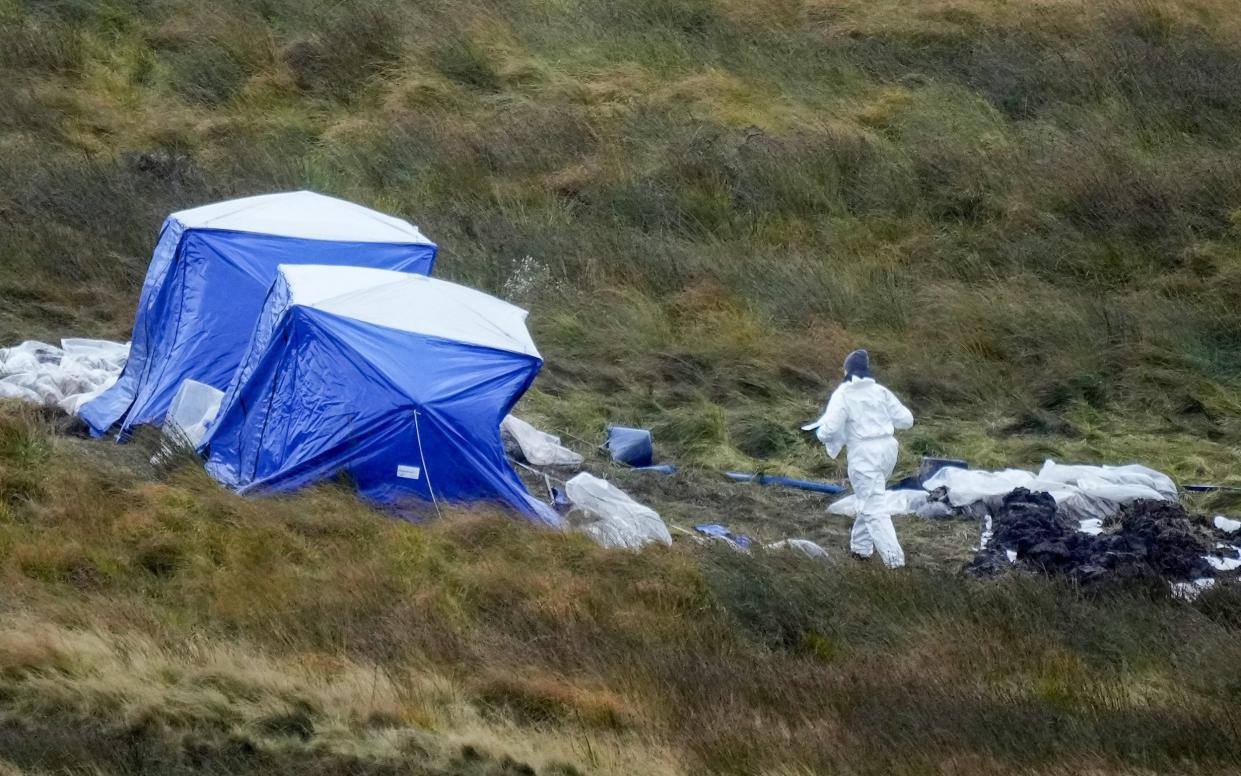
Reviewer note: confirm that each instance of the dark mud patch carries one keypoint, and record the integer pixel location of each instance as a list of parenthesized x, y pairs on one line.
[(1155, 538)]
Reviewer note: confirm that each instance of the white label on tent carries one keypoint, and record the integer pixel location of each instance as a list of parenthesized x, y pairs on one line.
[(409, 472)]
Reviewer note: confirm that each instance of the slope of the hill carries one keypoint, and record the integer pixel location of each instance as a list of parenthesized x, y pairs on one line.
[(1030, 212), (153, 623)]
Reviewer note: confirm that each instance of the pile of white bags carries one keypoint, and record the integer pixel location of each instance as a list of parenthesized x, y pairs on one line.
[(67, 376)]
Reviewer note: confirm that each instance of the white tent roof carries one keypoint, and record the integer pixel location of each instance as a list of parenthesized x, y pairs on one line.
[(302, 214), (413, 303)]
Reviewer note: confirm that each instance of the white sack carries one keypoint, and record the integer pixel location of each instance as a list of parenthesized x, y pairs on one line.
[(895, 502), (610, 517), (540, 448)]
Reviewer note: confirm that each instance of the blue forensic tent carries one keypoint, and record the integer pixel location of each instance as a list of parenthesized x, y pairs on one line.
[(399, 381), (207, 280)]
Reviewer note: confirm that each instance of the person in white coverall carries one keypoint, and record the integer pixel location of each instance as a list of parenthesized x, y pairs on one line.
[(862, 415)]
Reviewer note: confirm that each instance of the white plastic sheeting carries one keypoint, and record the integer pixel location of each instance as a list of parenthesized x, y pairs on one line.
[(539, 447), (1134, 475), (966, 486), (895, 502), (191, 412), (1222, 562), (1189, 591), (610, 517), (67, 376), (804, 546), (1084, 493), (1227, 525)]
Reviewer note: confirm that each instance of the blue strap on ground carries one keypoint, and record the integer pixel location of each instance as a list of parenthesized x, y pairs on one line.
[(788, 482), (660, 468)]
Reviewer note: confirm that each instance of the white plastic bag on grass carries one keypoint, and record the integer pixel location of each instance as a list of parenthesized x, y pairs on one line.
[(540, 448), (610, 517)]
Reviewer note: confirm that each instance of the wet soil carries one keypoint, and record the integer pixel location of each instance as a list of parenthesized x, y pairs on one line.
[(1146, 537)]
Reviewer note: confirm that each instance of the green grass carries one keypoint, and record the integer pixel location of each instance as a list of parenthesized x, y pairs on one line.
[(1029, 212)]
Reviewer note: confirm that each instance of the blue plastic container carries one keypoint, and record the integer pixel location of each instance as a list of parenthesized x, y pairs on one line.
[(632, 446)]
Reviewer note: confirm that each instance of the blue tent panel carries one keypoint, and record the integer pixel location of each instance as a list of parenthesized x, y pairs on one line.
[(404, 415), (203, 292)]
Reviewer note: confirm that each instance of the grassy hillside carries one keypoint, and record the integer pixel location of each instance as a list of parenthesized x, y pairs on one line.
[(153, 623), (1030, 212)]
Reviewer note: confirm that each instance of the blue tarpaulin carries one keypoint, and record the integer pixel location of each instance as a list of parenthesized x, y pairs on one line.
[(207, 280), (398, 381)]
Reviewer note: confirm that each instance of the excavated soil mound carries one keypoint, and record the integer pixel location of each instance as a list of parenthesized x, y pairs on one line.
[(1147, 536)]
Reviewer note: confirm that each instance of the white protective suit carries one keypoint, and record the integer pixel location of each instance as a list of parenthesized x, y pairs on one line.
[(863, 415)]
